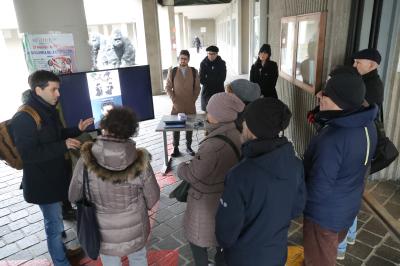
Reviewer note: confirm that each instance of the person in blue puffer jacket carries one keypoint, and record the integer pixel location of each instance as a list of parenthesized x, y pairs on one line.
[(336, 163)]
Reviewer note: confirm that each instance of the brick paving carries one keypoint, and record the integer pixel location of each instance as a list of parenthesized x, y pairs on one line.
[(23, 241)]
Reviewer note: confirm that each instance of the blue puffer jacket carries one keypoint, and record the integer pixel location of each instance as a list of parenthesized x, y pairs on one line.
[(262, 194), (335, 163)]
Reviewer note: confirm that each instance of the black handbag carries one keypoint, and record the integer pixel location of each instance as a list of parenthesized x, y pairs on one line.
[(386, 151), (87, 224), (182, 190)]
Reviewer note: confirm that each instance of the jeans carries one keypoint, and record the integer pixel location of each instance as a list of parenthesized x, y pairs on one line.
[(350, 234), (138, 258), (53, 225)]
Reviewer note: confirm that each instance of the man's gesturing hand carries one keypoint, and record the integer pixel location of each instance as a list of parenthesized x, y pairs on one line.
[(85, 123), (72, 143)]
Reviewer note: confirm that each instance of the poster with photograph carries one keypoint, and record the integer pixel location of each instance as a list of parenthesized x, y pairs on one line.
[(104, 91), (54, 52)]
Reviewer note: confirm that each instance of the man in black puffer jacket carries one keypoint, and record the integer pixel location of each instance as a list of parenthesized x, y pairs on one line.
[(42, 149), (212, 75)]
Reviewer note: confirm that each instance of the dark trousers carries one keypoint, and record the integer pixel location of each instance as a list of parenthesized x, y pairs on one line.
[(177, 135), (320, 244), (200, 256)]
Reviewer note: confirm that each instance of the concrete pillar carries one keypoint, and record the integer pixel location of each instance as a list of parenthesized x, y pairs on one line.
[(263, 22), (172, 31), (150, 19), (181, 32), (65, 16), (186, 29), (244, 37)]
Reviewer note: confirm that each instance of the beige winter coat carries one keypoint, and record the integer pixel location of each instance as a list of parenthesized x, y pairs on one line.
[(123, 188), (181, 91), (206, 174)]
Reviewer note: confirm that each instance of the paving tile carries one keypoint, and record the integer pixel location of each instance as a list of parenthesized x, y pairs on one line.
[(350, 260), (33, 218), (33, 228), (359, 250), (4, 230), (13, 236), (161, 231), (378, 261), (363, 216), (4, 220), (177, 208), (393, 209), (18, 215), (176, 222), (293, 227), (8, 250), (169, 243), (22, 255), (368, 238), (185, 251), (180, 235), (396, 198), (12, 201), (392, 243), (33, 209), (2, 243), (385, 188), (375, 227), (38, 249), (163, 215), (296, 238), (19, 206), (388, 253), (41, 235), (18, 224), (28, 241)]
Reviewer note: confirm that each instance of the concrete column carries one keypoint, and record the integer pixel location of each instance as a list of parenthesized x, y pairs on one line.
[(150, 19), (245, 35), (181, 31), (186, 30), (263, 22), (172, 31), (65, 16)]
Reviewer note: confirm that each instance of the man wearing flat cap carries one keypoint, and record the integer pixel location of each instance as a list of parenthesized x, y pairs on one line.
[(336, 163), (366, 62), (263, 192), (212, 75)]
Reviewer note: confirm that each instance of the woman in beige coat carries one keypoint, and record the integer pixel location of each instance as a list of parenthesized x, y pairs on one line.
[(206, 173), (122, 185)]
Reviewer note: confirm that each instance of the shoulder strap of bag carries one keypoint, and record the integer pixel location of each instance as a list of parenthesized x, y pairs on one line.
[(86, 186), (32, 112), (230, 142), (173, 75), (194, 72)]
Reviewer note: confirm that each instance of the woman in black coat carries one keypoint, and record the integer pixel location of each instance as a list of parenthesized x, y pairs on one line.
[(265, 72)]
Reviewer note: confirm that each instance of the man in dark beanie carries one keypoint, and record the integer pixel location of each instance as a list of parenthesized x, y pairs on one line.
[(366, 62), (212, 75), (265, 72), (336, 162), (263, 192)]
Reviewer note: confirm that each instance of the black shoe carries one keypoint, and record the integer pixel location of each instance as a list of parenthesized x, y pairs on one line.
[(190, 151), (176, 152)]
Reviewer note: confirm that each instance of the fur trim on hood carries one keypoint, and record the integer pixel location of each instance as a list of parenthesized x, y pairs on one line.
[(131, 172)]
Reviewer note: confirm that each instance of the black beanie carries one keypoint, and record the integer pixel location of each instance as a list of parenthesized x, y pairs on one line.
[(212, 48), (265, 48), (266, 117), (345, 88), (370, 54)]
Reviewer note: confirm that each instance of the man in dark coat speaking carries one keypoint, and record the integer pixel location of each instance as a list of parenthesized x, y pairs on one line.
[(42, 149), (212, 75)]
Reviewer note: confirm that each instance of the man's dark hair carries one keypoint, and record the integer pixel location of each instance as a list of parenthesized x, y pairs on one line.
[(120, 122), (185, 52), (41, 78)]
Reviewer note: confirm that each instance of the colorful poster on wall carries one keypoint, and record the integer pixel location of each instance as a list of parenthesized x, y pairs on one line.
[(54, 52)]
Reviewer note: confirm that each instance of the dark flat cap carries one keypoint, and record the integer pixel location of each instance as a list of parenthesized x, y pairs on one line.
[(212, 48), (370, 54)]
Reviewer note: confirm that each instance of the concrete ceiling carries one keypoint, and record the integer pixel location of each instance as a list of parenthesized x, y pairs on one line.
[(201, 11)]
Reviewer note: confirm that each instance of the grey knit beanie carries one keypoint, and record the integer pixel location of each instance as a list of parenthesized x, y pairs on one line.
[(224, 107)]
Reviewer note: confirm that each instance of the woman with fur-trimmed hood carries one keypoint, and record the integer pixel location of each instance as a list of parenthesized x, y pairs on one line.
[(122, 186)]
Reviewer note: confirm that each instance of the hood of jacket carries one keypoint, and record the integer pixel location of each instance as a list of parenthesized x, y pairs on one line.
[(357, 119), (114, 159)]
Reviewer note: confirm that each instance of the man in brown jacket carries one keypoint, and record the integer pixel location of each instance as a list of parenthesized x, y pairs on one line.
[(183, 87)]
